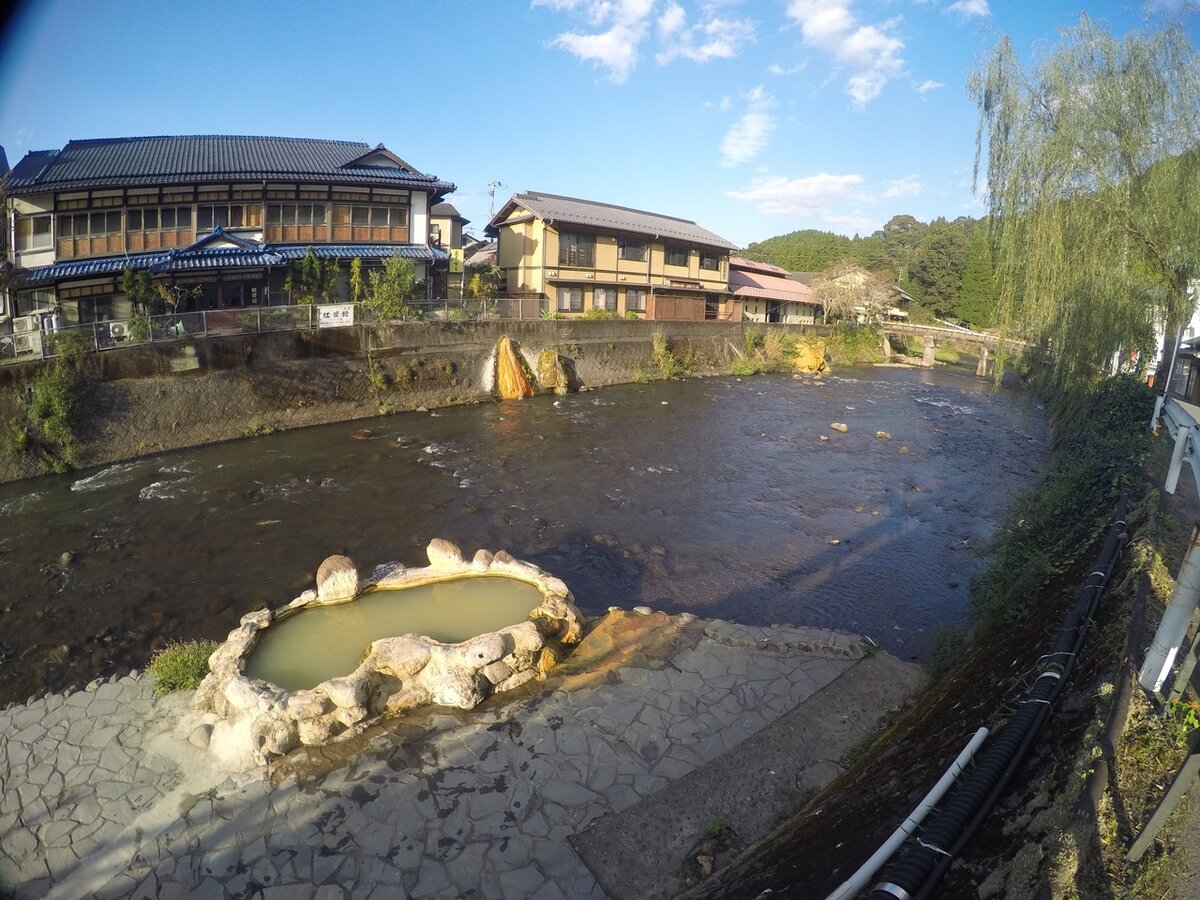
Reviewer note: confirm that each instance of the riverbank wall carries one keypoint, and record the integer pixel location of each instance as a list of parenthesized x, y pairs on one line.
[(152, 398)]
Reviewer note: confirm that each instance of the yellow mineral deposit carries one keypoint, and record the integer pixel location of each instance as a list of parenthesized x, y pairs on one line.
[(810, 357), (511, 382)]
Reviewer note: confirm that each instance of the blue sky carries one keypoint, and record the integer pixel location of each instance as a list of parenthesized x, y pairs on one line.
[(753, 118)]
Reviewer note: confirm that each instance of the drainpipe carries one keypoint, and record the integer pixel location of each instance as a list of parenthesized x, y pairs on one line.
[(856, 882), (1175, 621)]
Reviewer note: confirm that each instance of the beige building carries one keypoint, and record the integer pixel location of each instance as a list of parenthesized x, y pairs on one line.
[(568, 256), (769, 294)]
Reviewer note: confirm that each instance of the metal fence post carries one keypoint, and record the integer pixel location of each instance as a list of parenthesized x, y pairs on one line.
[(1181, 439), (1175, 621), (1158, 406)]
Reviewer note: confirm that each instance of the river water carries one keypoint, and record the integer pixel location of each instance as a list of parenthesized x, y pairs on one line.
[(715, 496)]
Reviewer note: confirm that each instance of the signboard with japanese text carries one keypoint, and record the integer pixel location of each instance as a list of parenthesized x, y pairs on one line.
[(456, 260), (335, 315)]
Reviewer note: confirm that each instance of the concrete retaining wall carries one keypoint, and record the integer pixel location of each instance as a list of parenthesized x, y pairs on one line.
[(151, 398)]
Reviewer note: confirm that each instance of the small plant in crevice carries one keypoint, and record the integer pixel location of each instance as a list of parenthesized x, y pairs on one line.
[(44, 434), (180, 666)]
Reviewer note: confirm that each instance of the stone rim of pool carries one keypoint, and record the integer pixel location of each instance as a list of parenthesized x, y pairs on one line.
[(397, 674)]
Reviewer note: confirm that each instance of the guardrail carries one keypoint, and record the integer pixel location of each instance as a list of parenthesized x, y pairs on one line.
[(1180, 423)]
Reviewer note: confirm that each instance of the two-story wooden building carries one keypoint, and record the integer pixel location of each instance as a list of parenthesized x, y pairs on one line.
[(569, 256), (220, 217)]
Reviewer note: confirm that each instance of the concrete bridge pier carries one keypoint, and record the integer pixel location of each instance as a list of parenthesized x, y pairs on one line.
[(982, 367), (927, 359), (887, 349)]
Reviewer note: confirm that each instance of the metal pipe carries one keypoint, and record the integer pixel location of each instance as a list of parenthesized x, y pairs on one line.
[(856, 882), (1176, 619)]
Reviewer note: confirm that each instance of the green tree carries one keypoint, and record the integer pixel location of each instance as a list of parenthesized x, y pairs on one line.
[(484, 282), (977, 296), (936, 271), (392, 289), (1092, 175), (312, 279), (357, 287)]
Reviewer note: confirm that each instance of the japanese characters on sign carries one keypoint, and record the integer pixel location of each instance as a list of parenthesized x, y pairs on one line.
[(335, 315)]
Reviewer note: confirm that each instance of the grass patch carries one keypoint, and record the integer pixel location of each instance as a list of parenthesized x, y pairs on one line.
[(850, 344), (180, 666), (1052, 524)]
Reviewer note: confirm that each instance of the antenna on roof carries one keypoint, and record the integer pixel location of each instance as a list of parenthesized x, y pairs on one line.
[(492, 185)]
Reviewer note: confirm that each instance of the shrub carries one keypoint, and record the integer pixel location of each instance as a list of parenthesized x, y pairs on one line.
[(180, 666), (745, 366), (630, 314), (848, 344), (601, 314)]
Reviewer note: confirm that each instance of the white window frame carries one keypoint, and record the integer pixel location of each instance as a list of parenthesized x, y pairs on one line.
[(570, 299), (32, 219)]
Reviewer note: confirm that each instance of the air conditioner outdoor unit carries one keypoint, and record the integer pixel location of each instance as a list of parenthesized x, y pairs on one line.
[(28, 342), (24, 324), (118, 330)]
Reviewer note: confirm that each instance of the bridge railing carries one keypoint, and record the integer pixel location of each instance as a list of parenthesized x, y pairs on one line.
[(1179, 419)]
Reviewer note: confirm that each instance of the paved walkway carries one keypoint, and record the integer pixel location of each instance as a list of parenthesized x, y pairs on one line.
[(109, 792)]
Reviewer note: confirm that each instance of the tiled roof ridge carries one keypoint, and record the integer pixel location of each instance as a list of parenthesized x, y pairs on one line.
[(632, 209), (239, 137)]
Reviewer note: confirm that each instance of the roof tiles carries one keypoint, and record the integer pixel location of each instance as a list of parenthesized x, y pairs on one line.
[(606, 217), (206, 158)]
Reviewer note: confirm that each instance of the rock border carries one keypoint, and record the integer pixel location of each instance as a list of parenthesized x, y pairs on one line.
[(397, 674)]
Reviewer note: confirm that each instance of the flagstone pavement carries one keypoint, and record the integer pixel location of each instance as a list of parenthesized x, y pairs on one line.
[(106, 793)]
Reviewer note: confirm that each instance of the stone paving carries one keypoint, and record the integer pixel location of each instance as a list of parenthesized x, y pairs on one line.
[(109, 792)]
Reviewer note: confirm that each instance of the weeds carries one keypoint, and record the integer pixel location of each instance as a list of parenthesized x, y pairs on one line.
[(180, 666)]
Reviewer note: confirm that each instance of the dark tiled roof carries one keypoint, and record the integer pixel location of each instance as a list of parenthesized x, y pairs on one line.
[(245, 254), (606, 217), (446, 210), (364, 251), (82, 268), (206, 158)]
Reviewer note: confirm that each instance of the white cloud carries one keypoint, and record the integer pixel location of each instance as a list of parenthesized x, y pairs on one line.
[(926, 86), (617, 29), (615, 48), (969, 8), (872, 53), (716, 38), (749, 135), (1171, 7), (813, 199), (776, 69), (909, 186)]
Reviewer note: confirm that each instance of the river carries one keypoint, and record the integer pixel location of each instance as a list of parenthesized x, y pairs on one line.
[(715, 496)]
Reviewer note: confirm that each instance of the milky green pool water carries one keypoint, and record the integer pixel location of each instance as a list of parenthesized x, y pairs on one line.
[(323, 642)]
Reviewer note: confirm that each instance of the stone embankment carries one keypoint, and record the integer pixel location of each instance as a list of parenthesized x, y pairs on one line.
[(653, 728), (168, 396)]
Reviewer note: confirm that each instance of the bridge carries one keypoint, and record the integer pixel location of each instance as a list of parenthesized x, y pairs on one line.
[(982, 342)]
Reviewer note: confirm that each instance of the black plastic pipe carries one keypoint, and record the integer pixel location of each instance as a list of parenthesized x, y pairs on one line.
[(918, 872)]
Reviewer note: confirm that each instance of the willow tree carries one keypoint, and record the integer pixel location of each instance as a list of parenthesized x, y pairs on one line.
[(1092, 181)]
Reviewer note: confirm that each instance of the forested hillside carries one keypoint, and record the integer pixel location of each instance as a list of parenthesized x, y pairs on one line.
[(945, 266)]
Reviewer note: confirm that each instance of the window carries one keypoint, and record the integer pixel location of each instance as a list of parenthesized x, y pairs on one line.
[(228, 215), (677, 256), (166, 218), (370, 223), (632, 250), (33, 301), (435, 235), (709, 261), (635, 300), (156, 228), (605, 298), (570, 299), (576, 249), (84, 225), (33, 233)]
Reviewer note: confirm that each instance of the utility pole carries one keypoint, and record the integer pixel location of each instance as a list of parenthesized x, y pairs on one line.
[(492, 185)]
